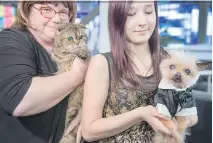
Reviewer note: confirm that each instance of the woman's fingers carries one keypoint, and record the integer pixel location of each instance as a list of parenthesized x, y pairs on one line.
[(160, 127), (158, 115), (74, 123), (72, 126), (79, 135), (175, 122)]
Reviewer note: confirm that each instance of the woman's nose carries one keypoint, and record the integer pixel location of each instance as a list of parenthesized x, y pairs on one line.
[(142, 20), (56, 18), (141, 25)]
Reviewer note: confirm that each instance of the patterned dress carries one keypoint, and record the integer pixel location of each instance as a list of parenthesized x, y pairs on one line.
[(121, 99)]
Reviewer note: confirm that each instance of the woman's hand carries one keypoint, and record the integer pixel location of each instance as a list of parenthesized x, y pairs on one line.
[(79, 69), (74, 123), (152, 116)]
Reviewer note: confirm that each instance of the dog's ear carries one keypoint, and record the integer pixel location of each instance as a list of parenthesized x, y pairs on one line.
[(168, 54), (202, 65)]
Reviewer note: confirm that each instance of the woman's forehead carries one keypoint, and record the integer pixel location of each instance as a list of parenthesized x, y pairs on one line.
[(55, 3), (141, 4)]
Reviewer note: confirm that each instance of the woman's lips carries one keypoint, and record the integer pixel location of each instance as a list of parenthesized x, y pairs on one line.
[(141, 32)]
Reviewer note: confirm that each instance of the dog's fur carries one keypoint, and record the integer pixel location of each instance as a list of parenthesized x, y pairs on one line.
[(180, 61), (71, 42)]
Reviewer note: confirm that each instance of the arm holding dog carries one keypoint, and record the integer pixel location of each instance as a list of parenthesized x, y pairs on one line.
[(95, 127)]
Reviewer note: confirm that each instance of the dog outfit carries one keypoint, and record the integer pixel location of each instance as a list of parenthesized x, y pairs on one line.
[(170, 102)]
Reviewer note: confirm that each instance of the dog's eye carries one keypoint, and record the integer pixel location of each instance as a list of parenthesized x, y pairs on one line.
[(70, 38), (187, 71), (172, 67)]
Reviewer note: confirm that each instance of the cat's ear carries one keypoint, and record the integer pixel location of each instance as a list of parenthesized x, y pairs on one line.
[(202, 65), (63, 26), (82, 26)]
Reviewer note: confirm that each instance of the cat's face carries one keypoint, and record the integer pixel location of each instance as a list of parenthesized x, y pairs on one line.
[(72, 39)]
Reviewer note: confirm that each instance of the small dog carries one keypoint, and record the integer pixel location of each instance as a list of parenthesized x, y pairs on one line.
[(71, 42), (173, 98)]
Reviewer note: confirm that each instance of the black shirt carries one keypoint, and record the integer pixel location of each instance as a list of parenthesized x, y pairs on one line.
[(21, 59)]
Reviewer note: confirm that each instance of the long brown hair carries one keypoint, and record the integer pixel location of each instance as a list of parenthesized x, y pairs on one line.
[(24, 8), (123, 65)]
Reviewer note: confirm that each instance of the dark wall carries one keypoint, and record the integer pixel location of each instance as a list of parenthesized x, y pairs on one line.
[(202, 131)]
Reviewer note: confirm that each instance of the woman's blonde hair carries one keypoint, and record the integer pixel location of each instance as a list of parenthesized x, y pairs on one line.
[(23, 11)]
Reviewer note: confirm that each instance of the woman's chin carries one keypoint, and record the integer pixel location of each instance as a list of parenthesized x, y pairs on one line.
[(51, 37), (51, 34), (140, 40)]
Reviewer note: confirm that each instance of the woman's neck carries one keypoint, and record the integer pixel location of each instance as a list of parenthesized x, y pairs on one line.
[(141, 57), (47, 45), (141, 51)]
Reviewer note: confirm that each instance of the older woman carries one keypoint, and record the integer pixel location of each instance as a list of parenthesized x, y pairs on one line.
[(32, 98)]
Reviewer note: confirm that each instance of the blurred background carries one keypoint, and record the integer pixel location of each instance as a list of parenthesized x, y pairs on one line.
[(182, 25), (185, 25)]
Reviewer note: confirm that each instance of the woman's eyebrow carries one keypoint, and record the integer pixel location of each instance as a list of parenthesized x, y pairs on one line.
[(54, 6), (63, 9), (47, 5), (132, 7), (149, 5)]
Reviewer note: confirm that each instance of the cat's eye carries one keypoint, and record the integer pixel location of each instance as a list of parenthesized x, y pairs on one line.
[(83, 37), (171, 67), (187, 71), (70, 38)]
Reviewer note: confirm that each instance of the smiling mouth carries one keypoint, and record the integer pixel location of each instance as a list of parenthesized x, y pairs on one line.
[(141, 31), (53, 27)]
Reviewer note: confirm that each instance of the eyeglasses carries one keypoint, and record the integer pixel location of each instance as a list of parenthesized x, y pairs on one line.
[(49, 13)]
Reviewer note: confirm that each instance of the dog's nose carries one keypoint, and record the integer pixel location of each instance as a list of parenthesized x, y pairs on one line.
[(178, 75), (177, 78)]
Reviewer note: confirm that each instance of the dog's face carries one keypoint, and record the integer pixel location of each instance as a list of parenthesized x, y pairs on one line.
[(72, 39), (181, 69)]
